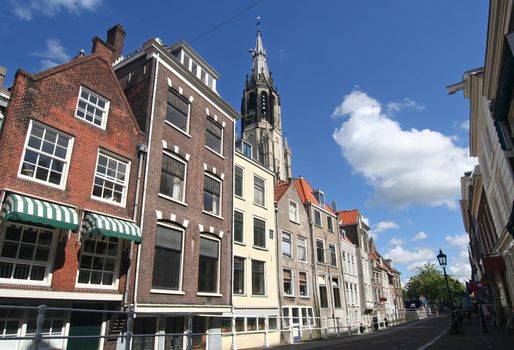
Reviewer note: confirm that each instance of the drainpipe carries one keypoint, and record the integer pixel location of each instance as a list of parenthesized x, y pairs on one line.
[(233, 344), (278, 256), (141, 152), (314, 263)]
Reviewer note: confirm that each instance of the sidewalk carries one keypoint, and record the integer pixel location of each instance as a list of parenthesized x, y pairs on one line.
[(474, 338)]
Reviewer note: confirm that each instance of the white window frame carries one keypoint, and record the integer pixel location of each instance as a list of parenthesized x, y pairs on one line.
[(220, 153), (308, 294), (105, 110), (115, 275), (207, 236), (244, 276), (323, 250), (290, 244), (264, 278), (117, 158), (184, 186), (316, 211), (265, 234), (335, 252), (188, 124), (291, 271), (221, 196), (263, 191), (243, 228), (47, 281), (66, 162), (330, 224), (296, 211), (181, 277), (303, 239), (242, 181)]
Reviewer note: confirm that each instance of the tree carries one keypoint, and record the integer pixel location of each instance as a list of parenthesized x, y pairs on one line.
[(429, 282)]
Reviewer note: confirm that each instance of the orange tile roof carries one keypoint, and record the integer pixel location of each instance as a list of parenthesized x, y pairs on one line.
[(305, 191), (280, 189), (349, 217)]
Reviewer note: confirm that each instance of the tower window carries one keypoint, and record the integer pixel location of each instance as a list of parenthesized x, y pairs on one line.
[(264, 103)]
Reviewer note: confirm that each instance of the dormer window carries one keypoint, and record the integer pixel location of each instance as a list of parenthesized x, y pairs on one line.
[(196, 68), (320, 197)]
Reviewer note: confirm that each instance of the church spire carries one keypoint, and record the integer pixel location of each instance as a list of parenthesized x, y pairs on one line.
[(259, 65)]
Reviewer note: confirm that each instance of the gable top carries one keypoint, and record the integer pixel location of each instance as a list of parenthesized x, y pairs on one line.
[(306, 193), (280, 189), (349, 217)]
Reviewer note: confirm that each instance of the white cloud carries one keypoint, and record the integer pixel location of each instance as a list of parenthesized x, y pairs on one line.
[(403, 166), (385, 226), (460, 267), (396, 241), (53, 55), (27, 9), (464, 125), (420, 236), (458, 240), (393, 107), (403, 256)]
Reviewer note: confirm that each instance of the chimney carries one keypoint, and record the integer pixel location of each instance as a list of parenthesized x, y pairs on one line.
[(101, 48), (2, 76), (116, 38)]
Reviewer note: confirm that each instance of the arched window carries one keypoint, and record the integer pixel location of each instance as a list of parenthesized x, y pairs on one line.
[(264, 104)]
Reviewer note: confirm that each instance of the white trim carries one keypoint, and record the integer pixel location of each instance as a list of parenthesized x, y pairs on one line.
[(263, 205), (166, 291), (183, 194), (98, 96), (177, 308), (242, 182), (220, 211), (292, 282), (181, 276), (43, 294), (297, 221), (218, 283), (304, 239), (127, 163)]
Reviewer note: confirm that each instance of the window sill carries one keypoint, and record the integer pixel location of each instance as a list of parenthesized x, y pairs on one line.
[(239, 197), (287, 257), (294, 222), (96, 286), (122, 205), (305, 296), (289, 296), (242, 244), (177, 128), (260, 248), (260, 206), (213, 215), (241, 295), (163, 196), (165, 291), (213, 151), (259, 295), (206, 294), (25, 282), (318, 225)]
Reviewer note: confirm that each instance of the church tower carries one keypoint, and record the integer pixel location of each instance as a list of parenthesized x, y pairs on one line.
[(261, 123)]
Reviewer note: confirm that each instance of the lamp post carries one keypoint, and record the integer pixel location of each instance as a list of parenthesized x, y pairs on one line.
[(441, 257)]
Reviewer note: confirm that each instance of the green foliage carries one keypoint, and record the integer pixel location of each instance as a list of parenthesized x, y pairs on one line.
[(429, 282)]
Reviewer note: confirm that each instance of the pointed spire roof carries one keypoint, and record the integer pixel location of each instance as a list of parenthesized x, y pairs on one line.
[(259, 64)]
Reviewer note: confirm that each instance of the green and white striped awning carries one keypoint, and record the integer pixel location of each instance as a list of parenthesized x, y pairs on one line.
[(108, 226), (21, 208)]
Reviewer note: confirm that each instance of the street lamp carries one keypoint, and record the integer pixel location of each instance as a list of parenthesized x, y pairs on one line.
[(441, 257)]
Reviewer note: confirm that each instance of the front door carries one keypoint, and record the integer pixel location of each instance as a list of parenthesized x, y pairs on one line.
[(85, 323)]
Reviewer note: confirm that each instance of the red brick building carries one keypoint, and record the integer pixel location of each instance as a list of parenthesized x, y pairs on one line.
[(185, 261), (69, 154)]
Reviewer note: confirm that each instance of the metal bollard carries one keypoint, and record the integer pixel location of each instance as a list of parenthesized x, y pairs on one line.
[(233, 345), (38, 336), (266, 331)]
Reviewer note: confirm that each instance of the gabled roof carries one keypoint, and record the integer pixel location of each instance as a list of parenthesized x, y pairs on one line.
[(305, 191), (349, 217), (281, 188)]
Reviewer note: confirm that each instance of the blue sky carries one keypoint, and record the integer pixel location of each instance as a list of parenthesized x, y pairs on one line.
[(362, 87)]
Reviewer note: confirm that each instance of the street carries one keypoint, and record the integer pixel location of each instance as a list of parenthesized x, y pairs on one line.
[(427, 334)]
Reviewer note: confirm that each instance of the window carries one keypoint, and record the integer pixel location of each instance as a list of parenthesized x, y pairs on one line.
[(247, 150), (333, 255), (92, 108), (110, 179), (214, 136), (173, 176), (52, 326), (286, 244), (336, 293), (258, 191), (303, 284), (301, 248), (9, 326), (238, 181), (240, 324), (208, 265), (26, 252), (293, 211), (238, 227), (46, 155), (239, 275), (259, 233), (167, 263), (330, 224), (322, 285), (177, 112), (288, 282), (320, 251), (257, 277), (212, 195), (317, 217), (97, 261)]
